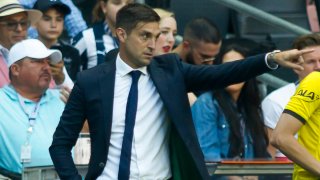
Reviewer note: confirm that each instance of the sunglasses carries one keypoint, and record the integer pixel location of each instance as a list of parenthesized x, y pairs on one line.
[(13, 25)]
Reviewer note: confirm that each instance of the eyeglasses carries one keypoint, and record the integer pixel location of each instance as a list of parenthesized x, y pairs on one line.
[(13, 25)]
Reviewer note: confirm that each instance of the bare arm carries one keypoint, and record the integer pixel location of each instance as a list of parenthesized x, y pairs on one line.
[(283, 139), (271, 149)]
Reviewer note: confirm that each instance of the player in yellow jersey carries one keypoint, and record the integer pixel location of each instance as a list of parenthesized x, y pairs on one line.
[(302, 115)]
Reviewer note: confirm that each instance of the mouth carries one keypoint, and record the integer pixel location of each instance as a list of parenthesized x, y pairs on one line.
[(19, 37), (53, 32), (45, 75), (148, 55), (166, 49)]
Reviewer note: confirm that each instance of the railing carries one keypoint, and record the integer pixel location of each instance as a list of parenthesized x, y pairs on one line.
[(253, 167), (262, 16), (267, 18)]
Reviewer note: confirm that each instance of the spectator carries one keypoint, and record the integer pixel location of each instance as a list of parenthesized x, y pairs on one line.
[(14, 22), (95, 42), (29, 110), (50, 28), (201, 42), (301, 115), (168, 29), (74, 21), (229, 122), (273, 105), (157, 115), (13, 28)]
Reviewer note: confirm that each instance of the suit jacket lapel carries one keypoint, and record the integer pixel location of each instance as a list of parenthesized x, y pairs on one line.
[(160, 80)]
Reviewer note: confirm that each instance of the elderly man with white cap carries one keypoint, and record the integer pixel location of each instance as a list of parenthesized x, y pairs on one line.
[(29, 110)]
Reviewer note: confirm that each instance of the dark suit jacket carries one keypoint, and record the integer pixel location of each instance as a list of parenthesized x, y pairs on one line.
[(92, 99)]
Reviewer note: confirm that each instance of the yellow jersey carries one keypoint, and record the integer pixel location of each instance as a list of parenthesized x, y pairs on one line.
[(305, 106)]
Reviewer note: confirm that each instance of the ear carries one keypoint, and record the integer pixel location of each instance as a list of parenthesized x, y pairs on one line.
[(121, 34), (15, 69), (186, 44)]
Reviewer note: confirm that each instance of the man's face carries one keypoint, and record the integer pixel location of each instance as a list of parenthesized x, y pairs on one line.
[(13, 28), (139, 46), (311, 62), (34, 74), (202, 52), (50, 26)]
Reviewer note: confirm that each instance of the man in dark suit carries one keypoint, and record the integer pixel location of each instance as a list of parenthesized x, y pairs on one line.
[(135, 89)]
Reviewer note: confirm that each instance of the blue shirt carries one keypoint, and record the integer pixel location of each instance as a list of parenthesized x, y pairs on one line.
[(213, 130), (14, 123), (74, 22)]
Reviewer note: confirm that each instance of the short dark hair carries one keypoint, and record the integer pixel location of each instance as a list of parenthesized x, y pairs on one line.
[(246, 47), (202, 29), (131, 14), (306, 41)]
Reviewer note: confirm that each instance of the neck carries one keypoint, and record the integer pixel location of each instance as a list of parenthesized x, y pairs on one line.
[(235, 96), (48, 42), (179, 50), (111, 27), (32, 95)]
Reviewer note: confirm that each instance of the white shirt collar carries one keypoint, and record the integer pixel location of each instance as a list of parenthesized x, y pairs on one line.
[(124, 69)]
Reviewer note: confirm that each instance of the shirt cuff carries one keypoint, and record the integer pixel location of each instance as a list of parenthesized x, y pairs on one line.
[(271, 65)]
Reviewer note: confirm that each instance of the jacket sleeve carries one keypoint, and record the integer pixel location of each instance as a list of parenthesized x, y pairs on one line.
[(67, 134), (208, 77)]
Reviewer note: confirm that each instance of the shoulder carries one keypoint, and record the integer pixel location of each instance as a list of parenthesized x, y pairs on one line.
[(205, 100), (94, 71), (168, 61), (312, 80), (309, 88), (7, 92), (93, 74), (284, 93), (206, 97), (81, 35), (53, 94), (166, 58)]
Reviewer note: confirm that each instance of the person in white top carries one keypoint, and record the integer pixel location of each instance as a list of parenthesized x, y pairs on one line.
[(273, 105)]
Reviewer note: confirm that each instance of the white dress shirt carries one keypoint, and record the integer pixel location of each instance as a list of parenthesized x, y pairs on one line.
[(150, 149)]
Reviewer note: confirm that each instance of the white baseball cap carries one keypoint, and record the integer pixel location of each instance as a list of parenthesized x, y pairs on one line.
[(32, 48)]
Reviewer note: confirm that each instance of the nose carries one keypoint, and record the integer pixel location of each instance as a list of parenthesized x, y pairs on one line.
[(53, 23), (19, 27), (152, 43)]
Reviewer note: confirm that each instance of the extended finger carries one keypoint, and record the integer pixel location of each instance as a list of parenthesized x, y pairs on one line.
[(305, 51), (296, 66)]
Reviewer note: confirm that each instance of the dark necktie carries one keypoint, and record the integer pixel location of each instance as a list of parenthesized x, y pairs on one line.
[(131, 110)]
